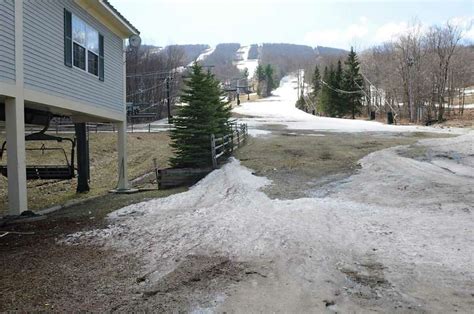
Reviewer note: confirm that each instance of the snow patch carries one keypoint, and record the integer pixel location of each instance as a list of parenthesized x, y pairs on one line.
[(203, 55), (258, 132), (403, 207), (246, 63), (280, 109)]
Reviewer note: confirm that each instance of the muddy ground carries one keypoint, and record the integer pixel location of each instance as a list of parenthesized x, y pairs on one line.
[(37, 274), (312, 164), (40, 274)]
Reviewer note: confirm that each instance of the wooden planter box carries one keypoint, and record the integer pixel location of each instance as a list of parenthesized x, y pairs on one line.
[(177, 177)]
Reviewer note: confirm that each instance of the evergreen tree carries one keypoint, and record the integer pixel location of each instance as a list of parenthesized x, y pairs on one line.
[(316, 84), (352, 82), (324, 96), (260, 76), (260, 73), (339, 99), (332, 101), (269, 78), (205, 114)]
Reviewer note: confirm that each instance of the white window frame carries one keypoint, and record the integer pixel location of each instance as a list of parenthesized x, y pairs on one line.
[(85, 47)]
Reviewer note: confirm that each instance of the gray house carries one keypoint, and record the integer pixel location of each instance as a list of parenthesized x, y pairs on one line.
[(61, 58)]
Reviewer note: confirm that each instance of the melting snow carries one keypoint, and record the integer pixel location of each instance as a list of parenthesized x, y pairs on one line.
[(257, 132), (412, 216), (415, 203), (280, 109)]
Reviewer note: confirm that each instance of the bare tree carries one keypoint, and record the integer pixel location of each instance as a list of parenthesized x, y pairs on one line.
[(442, 42), (420, 72)]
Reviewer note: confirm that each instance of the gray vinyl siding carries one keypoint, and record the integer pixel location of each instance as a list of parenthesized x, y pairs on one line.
[(44, 57), (7, 41)]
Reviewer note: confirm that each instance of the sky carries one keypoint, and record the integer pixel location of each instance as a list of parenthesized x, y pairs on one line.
[(337, 23)]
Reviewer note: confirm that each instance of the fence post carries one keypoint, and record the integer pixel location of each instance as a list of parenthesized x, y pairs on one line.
[(213, 151), (149, 127), (238, 137), (156, 173)]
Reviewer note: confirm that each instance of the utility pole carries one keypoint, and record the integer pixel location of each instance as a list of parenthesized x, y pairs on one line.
[(410, 90), (168, 99)]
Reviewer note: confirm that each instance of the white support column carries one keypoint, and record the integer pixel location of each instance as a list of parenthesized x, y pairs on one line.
[(122, 157), (15, 127)]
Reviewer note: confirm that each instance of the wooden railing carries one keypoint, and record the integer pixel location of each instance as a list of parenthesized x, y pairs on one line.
[(221, 146)]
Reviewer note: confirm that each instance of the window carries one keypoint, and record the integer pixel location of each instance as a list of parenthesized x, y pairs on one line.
[(85, 41)]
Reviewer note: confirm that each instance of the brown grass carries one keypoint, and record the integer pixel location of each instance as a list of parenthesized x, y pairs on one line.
[(142, 148)]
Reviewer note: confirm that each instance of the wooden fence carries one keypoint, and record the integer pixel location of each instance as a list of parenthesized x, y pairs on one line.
[(225, 145), (220, 146)]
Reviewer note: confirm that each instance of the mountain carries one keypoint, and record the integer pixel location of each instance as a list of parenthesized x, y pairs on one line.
[(223, 58), (191, 52), (328, 51)]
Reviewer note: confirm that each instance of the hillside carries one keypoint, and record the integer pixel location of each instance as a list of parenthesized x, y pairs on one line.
[(228, 61), (191, 52)]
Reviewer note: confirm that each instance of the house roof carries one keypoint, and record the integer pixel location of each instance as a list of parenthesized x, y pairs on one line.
[(120, 16)]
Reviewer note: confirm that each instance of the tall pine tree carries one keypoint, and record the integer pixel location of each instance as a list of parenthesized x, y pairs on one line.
[(332, 106), (353, 82), (325, 97), (269, 79), (315, 84), (205, 113), (339, 99)]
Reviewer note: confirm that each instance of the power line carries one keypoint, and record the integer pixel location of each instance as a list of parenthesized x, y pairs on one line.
[(148, 89), (340, 90), (157, 73), (173, 72), (377, 91)]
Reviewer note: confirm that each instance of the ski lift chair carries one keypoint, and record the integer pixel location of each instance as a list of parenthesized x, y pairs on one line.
[(46, 172)]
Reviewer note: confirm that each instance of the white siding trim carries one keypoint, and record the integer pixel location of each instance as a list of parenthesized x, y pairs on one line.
[(79, 107), (9, 90)]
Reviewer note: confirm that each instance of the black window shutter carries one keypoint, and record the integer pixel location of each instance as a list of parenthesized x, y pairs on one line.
[(101, 57), (67, 38)]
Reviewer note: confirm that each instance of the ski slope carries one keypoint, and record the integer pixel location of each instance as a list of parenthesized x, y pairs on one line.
[(203, 55), (280, 109), (246, 63)]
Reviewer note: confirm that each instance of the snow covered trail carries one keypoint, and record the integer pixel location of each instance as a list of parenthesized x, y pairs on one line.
[(203, 55), (280, 109), (246, 63), (400, 232)]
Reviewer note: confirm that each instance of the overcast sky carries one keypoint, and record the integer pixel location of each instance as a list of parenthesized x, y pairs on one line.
[(326, 23)]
